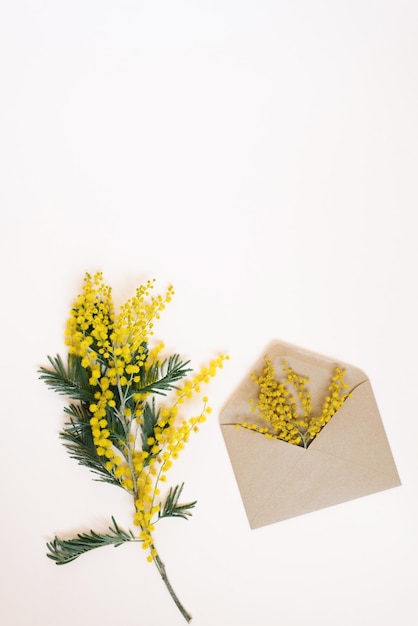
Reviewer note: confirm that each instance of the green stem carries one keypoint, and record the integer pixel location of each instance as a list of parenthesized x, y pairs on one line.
[(161, 568), (132, 470), (304, 440)]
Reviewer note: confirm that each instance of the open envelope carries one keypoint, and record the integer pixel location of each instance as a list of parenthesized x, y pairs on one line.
[(350, 458)]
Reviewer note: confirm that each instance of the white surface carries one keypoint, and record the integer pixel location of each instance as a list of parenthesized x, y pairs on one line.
[(262, 157)]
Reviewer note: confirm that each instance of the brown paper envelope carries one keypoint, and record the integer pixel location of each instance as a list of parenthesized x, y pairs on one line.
[(350, 458)]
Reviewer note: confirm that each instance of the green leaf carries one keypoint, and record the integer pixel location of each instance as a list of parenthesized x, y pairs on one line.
[(64, 551), (71, 381), (149, 419), (78, 440), (160, 377), (171, 506)]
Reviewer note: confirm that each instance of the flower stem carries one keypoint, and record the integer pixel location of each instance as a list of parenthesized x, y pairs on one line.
[(161, 568)]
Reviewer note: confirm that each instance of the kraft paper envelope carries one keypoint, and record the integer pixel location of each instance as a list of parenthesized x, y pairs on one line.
[(350, 458)]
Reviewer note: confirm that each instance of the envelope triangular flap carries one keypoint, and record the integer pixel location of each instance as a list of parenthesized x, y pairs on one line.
[(316, 482), (350, 458), (356, 434), (255, 462)]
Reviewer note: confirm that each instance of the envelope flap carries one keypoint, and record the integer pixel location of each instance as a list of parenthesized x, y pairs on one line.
[(356, 433), (318, 481), (259, 464)]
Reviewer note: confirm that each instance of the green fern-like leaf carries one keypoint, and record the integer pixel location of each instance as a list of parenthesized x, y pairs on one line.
[(161, 377), (64, 551), (71, 381), (78, 440), (150, 417), (172, 508)]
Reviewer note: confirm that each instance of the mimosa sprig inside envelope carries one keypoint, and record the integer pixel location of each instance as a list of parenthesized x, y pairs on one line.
[(303, 432)]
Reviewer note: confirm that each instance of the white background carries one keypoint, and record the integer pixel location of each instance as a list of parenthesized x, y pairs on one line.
[(261, 156)]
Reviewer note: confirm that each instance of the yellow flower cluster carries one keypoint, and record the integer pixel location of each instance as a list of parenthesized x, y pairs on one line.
[(114, 352), (332, 403), (98, 336), (90, 320), (291, 419), (168, 440), (204, 376)]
